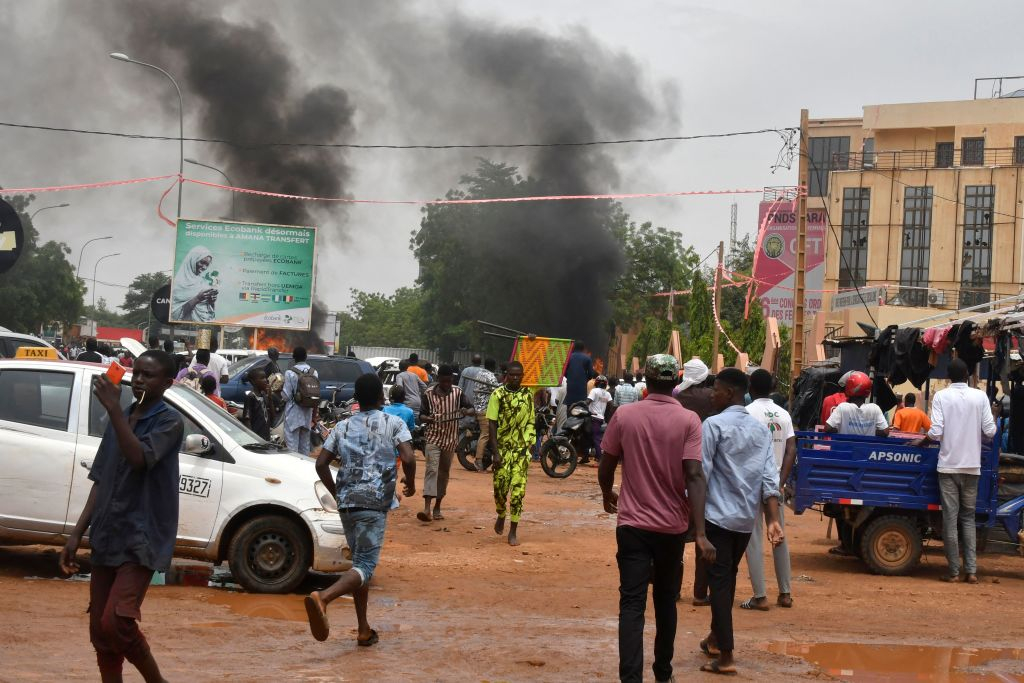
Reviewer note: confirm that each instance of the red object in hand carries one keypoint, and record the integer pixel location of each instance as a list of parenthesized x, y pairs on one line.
[(115, 372)]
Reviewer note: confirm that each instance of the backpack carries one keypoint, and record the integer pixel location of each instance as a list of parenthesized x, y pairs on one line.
[(307, 391)]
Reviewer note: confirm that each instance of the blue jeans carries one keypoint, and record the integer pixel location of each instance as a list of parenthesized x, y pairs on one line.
[(364, 532)]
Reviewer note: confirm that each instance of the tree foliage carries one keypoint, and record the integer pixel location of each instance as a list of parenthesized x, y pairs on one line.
[(139, 295), (41, 287), (377, 320)]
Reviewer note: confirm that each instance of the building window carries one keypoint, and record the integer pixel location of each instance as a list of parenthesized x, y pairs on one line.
[(943, 154), (1018, 150), (826, 154), (976, 277), (916, 252), (868, 156), (972, 152), (853, 252)]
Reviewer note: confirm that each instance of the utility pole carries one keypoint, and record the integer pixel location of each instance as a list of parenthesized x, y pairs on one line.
[(718, 303), (732, 227), (797, 354)]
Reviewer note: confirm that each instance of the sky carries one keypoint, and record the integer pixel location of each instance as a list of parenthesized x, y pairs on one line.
[(712, 67)]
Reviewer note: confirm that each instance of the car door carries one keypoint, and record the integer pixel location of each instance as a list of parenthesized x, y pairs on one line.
[(199, 478), (37, 446)]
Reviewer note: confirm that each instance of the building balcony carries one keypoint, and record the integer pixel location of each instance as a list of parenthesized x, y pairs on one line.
[(912, 159)]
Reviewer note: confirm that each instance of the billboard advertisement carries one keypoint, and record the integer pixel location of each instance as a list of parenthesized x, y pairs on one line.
[(247, 274), (775, 259)]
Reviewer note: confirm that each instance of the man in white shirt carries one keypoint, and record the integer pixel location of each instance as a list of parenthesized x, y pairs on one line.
[(597, 401), (218, 365), (855, 416), (961, 418), (780, 424)]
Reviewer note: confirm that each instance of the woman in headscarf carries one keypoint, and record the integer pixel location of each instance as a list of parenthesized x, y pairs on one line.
[(192, 297)]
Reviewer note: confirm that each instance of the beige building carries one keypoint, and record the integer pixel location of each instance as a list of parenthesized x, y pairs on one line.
[(922, 199)]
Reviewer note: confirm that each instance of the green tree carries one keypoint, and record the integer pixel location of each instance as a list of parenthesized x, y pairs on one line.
[(377, 320), (139, 295), (698, 337), (41, 287), (102, 314)]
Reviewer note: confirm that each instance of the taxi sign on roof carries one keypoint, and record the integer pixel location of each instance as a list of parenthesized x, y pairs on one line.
[(37, 352)]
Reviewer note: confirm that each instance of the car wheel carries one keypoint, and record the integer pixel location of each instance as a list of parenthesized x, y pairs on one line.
[(270, 554)]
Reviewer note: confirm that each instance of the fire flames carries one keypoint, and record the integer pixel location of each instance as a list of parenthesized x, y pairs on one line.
[(285, 342)]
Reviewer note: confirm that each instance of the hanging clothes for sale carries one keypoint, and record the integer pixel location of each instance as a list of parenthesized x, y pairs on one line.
[(884, 396), (910, 358), (883, 353), (967, 344), (937, 338)]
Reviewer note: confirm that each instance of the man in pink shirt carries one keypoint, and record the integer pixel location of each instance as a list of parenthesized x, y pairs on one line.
[(662, 494)]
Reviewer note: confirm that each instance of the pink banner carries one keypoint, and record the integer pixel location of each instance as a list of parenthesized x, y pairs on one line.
[(775, 259)]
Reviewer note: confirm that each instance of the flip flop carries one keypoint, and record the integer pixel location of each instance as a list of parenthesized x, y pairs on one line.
[(422, 516), (715, 668), (708, 650), (749, 604), (317, 614), (372, 640)]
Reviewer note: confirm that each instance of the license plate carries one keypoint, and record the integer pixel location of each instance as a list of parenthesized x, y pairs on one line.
[(194, 486)]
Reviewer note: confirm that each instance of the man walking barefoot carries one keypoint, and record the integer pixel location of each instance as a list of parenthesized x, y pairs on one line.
[(364, 445), (510, 421), (658, 442)]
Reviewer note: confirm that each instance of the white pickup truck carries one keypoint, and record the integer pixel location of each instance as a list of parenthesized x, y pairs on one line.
[(243, 500)]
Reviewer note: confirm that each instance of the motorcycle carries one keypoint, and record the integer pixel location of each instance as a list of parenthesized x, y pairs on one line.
[(466, 448), (569, 444)]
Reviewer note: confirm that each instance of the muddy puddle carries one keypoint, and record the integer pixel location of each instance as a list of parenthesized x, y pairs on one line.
[(287, 607), (869, 663)]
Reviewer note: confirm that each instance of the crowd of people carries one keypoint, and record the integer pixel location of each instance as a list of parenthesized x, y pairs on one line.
[(703, 458)]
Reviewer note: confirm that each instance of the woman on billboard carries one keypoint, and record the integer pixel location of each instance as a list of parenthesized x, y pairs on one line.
[(194, 294)]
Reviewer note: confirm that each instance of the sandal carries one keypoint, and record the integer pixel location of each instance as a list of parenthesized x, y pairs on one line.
[(785, 601), (708, 650), (422, 516), (751, 605), (716, 668), (951, 578), (372, 640), (317, 614), (438, 515)]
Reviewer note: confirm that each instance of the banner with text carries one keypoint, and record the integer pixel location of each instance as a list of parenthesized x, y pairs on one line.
[(776, 262), (544, 360), (243, 274)]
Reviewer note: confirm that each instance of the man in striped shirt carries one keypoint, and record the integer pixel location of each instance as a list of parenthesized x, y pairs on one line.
[(443, 406)]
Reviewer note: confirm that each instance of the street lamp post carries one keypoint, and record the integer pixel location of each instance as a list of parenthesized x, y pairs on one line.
[(214, 168), (120, 56), (52, 206), (78, 268), (94, 276)]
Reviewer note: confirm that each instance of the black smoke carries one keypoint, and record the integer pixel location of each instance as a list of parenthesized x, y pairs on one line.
[(242, 81)]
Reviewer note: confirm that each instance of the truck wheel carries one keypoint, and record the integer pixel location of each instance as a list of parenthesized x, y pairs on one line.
[(269, 554), (891, 545)]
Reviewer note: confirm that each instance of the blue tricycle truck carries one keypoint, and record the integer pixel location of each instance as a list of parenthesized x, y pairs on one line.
[(884, 496)]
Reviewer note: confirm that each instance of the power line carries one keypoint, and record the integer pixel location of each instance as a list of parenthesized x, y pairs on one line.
[(346, 145)]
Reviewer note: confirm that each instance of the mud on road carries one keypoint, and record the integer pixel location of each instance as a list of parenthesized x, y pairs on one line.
[(453, 602)]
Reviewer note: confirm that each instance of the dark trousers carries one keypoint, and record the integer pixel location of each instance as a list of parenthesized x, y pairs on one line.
[(700, 575), (645, 557), (730, 546), (115, 601)]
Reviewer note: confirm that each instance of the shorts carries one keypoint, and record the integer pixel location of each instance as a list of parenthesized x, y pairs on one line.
[(364, 532)]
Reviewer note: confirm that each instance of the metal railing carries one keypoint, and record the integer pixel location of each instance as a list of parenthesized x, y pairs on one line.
[(927, 158)]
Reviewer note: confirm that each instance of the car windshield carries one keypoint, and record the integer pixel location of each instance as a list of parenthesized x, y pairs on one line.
[(227, 424)]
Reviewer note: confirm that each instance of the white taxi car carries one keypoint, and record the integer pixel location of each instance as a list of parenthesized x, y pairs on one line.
[(252, 503)]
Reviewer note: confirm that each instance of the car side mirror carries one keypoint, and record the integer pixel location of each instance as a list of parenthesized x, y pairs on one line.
[(197, 444)]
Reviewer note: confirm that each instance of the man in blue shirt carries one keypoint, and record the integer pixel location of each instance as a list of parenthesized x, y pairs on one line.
[(578, 371), (131, 513), (739, 465), (364, 445)]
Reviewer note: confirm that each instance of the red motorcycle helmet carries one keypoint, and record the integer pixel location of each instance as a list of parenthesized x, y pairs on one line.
[(858, 384)]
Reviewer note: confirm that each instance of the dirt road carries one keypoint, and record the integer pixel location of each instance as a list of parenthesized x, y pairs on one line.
[(453, 602)]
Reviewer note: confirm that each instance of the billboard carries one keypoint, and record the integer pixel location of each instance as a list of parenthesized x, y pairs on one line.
[(775, 259), (243, 274)]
